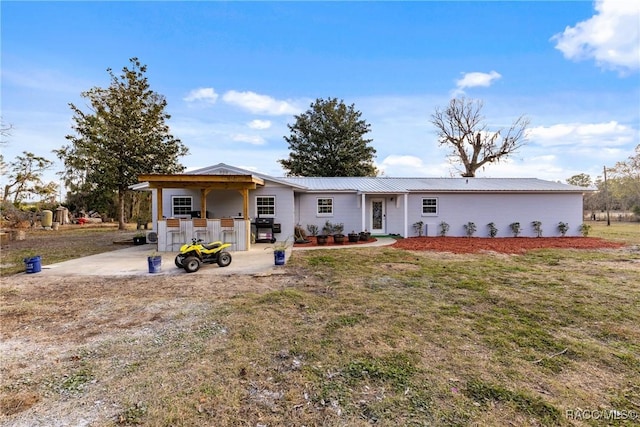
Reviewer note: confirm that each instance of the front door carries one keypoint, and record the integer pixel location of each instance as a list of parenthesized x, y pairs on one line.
[(378, 216)]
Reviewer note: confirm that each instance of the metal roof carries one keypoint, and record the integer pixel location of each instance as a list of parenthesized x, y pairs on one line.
[(400, 185), (395, 185)]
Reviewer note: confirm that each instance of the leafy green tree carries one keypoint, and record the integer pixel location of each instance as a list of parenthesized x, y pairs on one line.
[(472, 143), (580, 180), (122, 136), (24, 179), (328, 140)]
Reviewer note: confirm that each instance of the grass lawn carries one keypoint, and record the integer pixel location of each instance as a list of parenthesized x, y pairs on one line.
[(363, 336)]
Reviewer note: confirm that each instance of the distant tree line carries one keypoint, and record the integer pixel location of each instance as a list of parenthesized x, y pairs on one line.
[(620, 191)]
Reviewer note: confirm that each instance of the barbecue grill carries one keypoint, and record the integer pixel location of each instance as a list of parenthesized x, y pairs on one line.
[(264, 230)]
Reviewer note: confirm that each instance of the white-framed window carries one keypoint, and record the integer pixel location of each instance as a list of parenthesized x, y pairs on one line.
[(266, 206), (429, 206), (325, 206), (181, 205)]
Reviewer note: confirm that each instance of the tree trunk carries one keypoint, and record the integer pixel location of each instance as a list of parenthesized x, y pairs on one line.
[(121, 223)]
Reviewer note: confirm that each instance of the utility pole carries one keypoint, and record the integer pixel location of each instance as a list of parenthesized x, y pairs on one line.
[(606, 196)]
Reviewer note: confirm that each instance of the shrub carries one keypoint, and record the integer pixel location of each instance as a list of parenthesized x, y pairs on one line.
[(515, 228), (584, 229), (563, 228), (470, 228), (444, 228), (493, 230), (537, 227), (417, 226)]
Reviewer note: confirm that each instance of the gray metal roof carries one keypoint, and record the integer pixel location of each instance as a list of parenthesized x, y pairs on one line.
[(400, 185)]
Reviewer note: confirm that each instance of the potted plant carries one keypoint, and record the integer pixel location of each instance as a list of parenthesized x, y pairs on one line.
[(337, 230), (320, 239), (279, 251), (299, 235), (154, 260), (140, 238), (365, 235), (323, 238), (353, 236)]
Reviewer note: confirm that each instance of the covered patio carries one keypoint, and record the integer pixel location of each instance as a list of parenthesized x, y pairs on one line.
[(174, 230)]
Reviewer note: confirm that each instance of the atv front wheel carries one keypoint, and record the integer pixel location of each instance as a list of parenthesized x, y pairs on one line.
[(178, 262), (191, 264), (224, 259)]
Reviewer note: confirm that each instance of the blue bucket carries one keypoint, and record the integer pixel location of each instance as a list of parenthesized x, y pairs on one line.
[(278, 257), (33, 264), (154, 264)]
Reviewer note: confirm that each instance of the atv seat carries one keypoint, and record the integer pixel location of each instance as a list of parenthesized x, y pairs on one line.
[(210, 246)]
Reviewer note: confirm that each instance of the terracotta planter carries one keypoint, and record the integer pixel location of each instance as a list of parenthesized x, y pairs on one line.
[(322, 240)]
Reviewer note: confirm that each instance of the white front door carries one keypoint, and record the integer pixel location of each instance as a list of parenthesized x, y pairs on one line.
[(378, 217)]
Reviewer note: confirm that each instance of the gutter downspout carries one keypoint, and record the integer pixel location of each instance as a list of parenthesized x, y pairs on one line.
[(363, 212), (406, 215)]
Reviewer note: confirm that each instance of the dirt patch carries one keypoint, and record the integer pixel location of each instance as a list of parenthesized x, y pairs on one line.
[(506, 245)]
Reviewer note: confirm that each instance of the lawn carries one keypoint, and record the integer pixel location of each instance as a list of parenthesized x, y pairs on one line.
[(363, 336)]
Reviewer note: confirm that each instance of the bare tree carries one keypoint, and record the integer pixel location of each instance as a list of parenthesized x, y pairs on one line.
[(5, 131), (472, 143)]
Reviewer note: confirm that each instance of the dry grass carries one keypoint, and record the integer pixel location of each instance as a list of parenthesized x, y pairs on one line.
[(68, 242), (348, 337)]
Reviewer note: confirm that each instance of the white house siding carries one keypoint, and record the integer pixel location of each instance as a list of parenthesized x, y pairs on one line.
[(284, 207), (346, 210), (457, 209)]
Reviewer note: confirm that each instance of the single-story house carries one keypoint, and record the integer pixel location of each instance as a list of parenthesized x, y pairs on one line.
[(263, 207)]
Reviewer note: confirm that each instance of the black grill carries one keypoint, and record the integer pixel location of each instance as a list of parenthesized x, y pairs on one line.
[(266, 222), (264, 230)]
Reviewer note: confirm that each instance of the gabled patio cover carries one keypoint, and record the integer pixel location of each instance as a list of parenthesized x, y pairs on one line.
[(206, 183)]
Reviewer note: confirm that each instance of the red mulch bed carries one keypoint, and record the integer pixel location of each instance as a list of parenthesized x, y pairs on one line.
[(507, 245)]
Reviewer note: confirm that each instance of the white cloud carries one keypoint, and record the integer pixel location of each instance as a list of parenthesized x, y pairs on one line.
[(251, 139), (259, 104), (611, 37), (204, 94), (408, 161), (477, 79), (592, 134), (259, 124)]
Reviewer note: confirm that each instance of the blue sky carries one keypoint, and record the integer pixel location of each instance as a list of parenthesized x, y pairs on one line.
[(235, 74)]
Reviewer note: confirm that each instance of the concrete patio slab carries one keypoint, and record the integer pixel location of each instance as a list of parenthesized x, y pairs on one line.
[(132, 261)]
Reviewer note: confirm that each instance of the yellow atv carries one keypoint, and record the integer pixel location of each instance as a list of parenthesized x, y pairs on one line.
[(193, 255)]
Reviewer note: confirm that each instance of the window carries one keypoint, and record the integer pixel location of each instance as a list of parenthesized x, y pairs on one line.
[(181, 205), (325, 207), (430, 206), (266, 205)]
